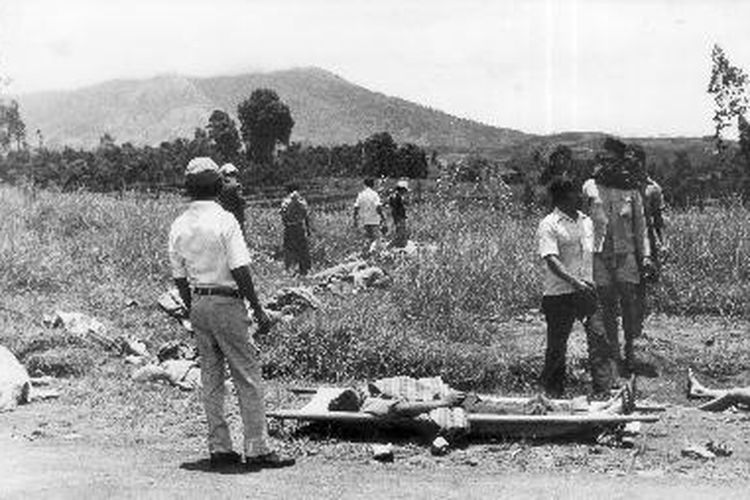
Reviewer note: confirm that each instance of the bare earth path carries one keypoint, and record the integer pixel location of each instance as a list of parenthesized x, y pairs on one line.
[(54, 469)]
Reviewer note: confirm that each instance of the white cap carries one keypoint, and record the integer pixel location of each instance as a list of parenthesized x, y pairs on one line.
[(201, 164), (402, 184), (228, 169)]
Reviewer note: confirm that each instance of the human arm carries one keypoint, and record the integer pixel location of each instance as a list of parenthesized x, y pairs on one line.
[(184, 290), (640, 232), (558, 269), (246, 287), (411, 409)]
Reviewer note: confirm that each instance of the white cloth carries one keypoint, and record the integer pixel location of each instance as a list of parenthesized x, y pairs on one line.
[(572, 241), (368, 202), (205, 243)]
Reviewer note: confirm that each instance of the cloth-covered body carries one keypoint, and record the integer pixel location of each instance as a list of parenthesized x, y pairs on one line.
[(15, 385)]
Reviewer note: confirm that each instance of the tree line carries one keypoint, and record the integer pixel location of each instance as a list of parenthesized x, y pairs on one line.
[(260, 147)]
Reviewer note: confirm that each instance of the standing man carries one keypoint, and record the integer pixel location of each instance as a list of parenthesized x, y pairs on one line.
[(566, 241), (398, 212), (210, 266), (230, 197), (621, 251), (295, 216), (369, 209), (653, 205)]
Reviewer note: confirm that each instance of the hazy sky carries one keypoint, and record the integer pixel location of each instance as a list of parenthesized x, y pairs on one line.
[(629, 67)]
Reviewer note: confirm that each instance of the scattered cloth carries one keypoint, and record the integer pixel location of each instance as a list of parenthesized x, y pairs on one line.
[(81, 325), (182, 373), (294, 300)]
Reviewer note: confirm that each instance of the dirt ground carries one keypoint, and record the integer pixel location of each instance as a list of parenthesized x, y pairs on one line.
[(108, 437)]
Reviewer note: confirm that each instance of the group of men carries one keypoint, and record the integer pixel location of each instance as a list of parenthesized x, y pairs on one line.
[(595, 265), (210, 261), (598, 263)]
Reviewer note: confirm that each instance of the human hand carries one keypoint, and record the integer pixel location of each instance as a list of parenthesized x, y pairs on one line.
[(455, 398), (583, 286), (263, 321)]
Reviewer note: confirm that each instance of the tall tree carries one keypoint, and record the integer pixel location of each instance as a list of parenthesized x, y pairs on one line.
[(265, 121), (379, 155), (222, 131), (12, 128), (728, 85)]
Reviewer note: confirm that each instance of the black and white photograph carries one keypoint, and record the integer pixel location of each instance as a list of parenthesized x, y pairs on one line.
[(321, 249)]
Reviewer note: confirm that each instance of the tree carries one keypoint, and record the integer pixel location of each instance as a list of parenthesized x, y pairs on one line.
[(378, 155), (411, 161), (225, 139), (265, 121), (728, 85), (12, 128)]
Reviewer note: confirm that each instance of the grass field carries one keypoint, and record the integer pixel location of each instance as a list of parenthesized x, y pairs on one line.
[(449, 315)]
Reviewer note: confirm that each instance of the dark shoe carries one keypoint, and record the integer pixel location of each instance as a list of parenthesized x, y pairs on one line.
[(223, 459), (269, 461)]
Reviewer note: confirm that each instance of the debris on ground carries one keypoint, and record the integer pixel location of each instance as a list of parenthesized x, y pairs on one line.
[(130, 346), (719, 449), (293, 300), (15, 384), (182, 373), (382, 452), (176, 349), (81, 325), (439, 446), (697, 452), (171, 302)]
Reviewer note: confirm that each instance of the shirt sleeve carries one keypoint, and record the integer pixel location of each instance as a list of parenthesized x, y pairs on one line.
[(547, 240), (176, 261), (237, 253), (358, 201)]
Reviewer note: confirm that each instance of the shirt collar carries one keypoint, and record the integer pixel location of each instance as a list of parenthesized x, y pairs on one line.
[(203, 204), (562, 215)]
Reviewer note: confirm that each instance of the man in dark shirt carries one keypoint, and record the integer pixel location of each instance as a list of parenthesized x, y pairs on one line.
[(230, 197), (398, 212)]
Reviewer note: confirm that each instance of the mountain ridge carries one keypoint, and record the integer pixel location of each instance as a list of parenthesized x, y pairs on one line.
[(327, 109)]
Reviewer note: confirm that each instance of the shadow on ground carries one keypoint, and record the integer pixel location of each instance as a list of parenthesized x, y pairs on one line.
[(204, 465)]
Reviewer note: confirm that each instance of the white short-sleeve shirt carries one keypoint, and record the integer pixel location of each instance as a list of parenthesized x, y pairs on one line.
[(368, 202), (205, 244), (572, 240)]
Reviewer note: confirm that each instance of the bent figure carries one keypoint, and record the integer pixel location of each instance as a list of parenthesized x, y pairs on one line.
[(721, 399)]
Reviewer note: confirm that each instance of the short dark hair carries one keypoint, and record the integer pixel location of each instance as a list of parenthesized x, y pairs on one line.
[(369, 182), (203, 186), (614, 146), (292, 187), (559, 188)]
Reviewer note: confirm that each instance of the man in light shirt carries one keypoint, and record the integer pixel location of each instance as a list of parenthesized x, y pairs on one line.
[(369, 210), (210, 266), (566, 240)]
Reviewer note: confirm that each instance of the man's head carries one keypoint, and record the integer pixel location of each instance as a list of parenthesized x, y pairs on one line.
[(202, 179), (229, 171), (564, 194), (370, 182), (292, 187)]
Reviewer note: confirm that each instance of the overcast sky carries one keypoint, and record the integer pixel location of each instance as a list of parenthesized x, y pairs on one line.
[(628, 67)]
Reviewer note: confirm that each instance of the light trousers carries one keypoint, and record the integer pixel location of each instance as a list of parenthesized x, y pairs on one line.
[(221, 332)]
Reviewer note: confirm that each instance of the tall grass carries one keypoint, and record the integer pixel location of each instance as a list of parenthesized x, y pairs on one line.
[(440, 316)]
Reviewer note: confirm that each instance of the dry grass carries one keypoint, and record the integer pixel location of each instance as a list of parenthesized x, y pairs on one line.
[(443, 315)]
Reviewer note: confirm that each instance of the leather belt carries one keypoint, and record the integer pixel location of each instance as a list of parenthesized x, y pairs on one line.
[(221, 292)]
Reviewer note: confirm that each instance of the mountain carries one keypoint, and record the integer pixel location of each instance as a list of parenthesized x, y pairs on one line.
[(326, 109)]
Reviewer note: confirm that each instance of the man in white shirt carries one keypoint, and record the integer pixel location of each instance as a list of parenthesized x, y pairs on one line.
[(566, 240), (369, 209), (210, 266)]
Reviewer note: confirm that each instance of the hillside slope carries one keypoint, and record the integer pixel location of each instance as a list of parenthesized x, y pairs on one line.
[(326, 108)]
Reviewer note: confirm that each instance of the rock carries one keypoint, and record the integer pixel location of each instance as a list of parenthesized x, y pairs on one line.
[(382, 452), (15, 384), (439, 446)]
